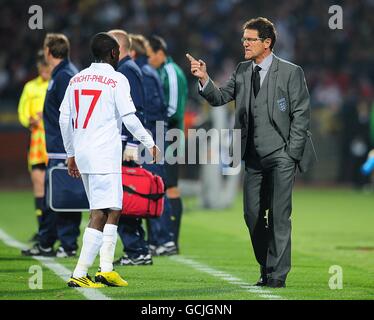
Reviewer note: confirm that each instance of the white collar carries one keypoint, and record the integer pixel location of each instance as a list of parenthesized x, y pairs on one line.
[(265, 64), (101, 65)]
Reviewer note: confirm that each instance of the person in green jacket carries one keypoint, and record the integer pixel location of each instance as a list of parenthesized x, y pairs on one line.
[(175, 87)]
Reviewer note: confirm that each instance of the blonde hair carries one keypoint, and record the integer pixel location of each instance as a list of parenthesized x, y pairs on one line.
[(139, 44)]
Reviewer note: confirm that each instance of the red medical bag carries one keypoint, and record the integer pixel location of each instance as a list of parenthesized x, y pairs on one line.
[(143, 193)]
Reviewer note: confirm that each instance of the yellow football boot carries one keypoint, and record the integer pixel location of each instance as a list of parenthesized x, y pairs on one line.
[(84, 282), (112, 279)]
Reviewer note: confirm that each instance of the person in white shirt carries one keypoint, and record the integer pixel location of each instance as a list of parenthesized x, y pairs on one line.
[(96, 103)]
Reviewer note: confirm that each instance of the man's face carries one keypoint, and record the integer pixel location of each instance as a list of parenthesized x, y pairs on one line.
[(155, 59), (47, 55), (253, 46)]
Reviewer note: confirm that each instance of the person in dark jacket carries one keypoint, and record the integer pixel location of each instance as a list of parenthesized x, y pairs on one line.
[(130, 230), (160, 235), (63, 226)]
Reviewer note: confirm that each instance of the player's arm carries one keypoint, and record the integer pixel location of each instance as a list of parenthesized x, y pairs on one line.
[(65, 121), (66, 128), (127, 110)]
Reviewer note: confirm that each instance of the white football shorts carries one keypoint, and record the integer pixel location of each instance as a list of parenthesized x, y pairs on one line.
[(104, 191)]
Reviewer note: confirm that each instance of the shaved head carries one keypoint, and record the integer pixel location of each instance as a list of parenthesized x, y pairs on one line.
[(123, 40)]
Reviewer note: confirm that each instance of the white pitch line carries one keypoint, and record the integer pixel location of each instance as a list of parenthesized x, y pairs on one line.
[(58, 269), (260, 291)]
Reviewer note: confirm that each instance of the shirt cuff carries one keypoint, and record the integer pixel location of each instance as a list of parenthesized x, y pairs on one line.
[(202, 87), (132, 145)]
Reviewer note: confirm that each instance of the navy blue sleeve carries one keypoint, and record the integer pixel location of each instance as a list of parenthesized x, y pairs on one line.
[(61, 82), (135, 87), (137, 95)]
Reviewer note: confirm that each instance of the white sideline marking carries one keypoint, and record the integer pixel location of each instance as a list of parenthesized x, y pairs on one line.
[(260, 291), (58, 269)]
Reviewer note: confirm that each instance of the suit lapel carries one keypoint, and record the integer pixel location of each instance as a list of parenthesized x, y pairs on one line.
[(273, 74), (247, 85)]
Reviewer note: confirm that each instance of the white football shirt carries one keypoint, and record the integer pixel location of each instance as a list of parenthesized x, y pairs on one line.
[(95, 101)]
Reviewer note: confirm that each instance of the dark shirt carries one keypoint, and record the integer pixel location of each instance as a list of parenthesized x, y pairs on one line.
[(155, 108), (134, 75), (60, 78)]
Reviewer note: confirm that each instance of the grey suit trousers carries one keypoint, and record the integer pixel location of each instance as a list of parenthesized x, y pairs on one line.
[(267, 193)]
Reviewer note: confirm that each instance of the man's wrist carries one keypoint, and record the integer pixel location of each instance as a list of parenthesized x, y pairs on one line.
[(203, 81)]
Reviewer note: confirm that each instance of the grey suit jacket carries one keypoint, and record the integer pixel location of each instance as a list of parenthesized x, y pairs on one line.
[(288, 106)]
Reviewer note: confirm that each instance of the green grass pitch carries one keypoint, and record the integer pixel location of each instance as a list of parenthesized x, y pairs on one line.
[(330, 227)]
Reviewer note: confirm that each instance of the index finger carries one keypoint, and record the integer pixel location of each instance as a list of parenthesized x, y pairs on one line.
[(189, 57)]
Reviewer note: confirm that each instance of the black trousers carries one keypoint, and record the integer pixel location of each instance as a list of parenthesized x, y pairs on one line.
[(268, 187)]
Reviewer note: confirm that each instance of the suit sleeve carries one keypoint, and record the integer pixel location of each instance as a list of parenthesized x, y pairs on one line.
[(300, 113), (126, 109), (135, 91), (219, 96)]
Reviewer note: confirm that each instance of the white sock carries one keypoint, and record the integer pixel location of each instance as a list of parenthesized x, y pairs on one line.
[(92, 241), (108, 247)]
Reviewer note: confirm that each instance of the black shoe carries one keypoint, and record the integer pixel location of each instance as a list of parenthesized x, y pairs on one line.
[(141, 260), (262, 281), (37, 250), (275, 283), (166, 249), (152, 250), (62, 253)]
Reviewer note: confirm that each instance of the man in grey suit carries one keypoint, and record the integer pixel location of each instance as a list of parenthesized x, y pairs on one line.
[(273, 114)]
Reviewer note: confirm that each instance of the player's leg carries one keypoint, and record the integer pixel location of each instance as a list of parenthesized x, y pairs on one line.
[(160, 230), (37, 178), (47, 229), (37, 160), (92, 241), (175, 200), (174, 197), (106, 192), (68, 231), (106, 274), (132, 234), (109, 241)]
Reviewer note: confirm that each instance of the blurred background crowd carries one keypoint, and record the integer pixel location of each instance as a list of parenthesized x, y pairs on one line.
[(338, 64)]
